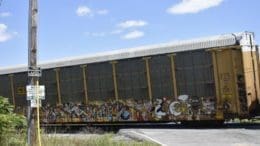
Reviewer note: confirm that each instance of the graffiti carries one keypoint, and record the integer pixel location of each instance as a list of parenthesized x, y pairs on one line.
[(177, 108), (21, 91), (128, 110), (181, 106), (159, 112), (225, 77), (208, 106), (226, 84)]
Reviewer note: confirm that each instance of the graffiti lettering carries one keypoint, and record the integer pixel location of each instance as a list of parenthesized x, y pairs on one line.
[(21, 90), (128, 110)]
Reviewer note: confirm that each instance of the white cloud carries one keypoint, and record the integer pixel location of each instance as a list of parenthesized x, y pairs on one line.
[(84, 11), (4, 34), (5, 14), (102, 12), (193, 6), (133, 35), (132, 23)]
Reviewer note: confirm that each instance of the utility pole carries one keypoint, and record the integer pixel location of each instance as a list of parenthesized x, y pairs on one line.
[(33, 70)]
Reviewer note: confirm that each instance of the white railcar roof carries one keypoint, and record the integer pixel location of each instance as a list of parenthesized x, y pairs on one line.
[(171, 47)]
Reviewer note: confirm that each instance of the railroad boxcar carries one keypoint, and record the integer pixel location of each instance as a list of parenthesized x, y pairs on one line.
[(207, 79)]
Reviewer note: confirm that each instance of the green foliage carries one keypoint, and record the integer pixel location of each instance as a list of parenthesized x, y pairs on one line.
[(12, 126), (94, 140)]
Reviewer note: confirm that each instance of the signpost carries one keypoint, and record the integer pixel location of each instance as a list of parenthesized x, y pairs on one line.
[(34, 103), (34, 92)]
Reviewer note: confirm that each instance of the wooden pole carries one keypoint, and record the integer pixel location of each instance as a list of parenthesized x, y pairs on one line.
[(32, 65)]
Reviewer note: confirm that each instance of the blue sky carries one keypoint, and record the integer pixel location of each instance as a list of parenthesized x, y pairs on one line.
[(78, 27)]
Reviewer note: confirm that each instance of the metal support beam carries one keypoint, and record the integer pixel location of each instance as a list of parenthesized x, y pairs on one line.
[(114, 78), (57, 73), (258, 64), (219, 114), (11, 77), (174, 82), (235, 87), (84, 67), (148, 77)]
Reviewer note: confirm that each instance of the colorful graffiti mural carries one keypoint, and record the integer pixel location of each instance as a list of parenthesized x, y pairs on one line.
[(164, 109), (131, 110)]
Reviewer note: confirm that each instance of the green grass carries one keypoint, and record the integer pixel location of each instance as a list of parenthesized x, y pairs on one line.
[(82, 140), (13, 139), (247, 121), (97, 140)]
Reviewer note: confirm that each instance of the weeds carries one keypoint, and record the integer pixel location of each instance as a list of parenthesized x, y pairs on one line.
[(94, 140)]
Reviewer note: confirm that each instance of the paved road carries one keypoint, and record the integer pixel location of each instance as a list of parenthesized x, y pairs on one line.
[(197, 137)]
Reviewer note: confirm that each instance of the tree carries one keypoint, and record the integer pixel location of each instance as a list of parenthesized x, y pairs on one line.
[(12, 126)]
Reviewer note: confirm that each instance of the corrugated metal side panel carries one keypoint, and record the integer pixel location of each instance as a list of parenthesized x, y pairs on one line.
[(49, 81), (5, 87), (189, 45), (251, 78), (20, 81), (131, 78), (250, 64), (240, 81), (194, 73), (149, 50), (161, 78), (227, 74), (100, 81), (71, 84)]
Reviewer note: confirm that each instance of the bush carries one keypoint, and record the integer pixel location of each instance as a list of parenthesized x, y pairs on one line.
[(12, 126)]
